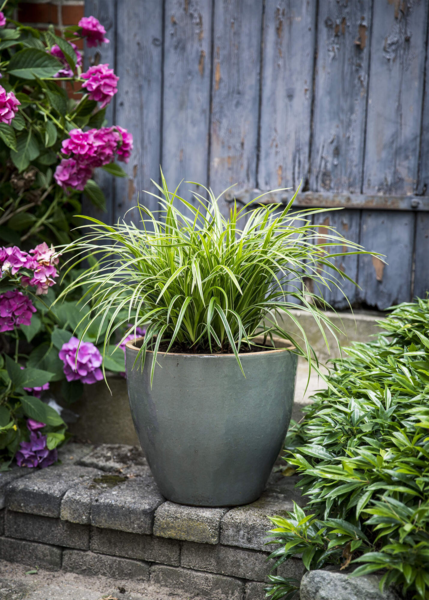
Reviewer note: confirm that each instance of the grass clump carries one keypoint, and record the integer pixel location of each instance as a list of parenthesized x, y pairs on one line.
[(363, 452)]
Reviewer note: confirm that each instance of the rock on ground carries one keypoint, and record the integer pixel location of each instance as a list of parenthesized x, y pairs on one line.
[(327, 585)]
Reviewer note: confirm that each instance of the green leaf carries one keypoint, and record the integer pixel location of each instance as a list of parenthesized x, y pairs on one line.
[(114, 169), (9, 236), (41, 412), (97, 120), (54, 438), (58, 99), (27, 377), (4, 416), (114, 361), (47, 158), (67, 49), (85, 107), (20, 221), (33, 329), (7, 134), (27, 149), (93, 192), (72, 391), (9, 34), (46, 357), (18, 122), (50, 134), (32, 62), (307, 556), (60, 337)]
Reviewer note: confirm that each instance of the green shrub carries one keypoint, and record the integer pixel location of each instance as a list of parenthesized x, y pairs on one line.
[(362, 450)]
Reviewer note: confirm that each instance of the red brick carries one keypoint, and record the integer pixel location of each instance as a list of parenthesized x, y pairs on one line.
[(72, 91), (38, 13), (72, 14)]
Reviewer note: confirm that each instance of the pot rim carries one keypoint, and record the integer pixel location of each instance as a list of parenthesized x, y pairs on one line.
[(287, 346)]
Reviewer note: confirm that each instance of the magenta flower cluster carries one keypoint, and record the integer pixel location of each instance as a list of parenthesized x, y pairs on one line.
[(101, 84), (40, 261), (66, 71), (8, 106), (139, 332), (35, 452), (15, 309), (90, 149), (86, 368), (93, 31), (2, 20)]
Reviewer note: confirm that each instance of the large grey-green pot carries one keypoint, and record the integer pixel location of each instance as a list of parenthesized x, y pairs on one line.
[(210, 435)]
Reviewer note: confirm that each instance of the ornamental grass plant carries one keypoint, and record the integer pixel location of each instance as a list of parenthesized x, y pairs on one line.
[(203, 283)]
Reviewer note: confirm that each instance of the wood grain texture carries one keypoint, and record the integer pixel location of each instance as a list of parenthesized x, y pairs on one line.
[(287, 89), (343, 44), (391, 234), (235, 94), (139, 38), (105, 12), (346, 224), (423, 180), (187, 80), (421, 265), (395, 96)]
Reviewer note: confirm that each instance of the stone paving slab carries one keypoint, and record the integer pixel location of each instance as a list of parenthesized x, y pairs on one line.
[(114, 457), (41, 493), (206, 585), (190, 523), (8, 477), (88, 563), (45, 529)]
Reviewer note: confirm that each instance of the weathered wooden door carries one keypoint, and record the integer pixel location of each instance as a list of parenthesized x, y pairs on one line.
[(266, 93)]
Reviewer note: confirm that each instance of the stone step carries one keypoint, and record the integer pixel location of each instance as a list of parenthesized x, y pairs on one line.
[(101, 512)]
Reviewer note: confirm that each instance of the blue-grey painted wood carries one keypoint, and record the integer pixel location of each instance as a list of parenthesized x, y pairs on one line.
[(286, 93), (347, 224), (390, 234), (395, 96), (423, 180), (187, 80), (139, 40), (421, 265), (235, 94), (343, 31), (105, 12)]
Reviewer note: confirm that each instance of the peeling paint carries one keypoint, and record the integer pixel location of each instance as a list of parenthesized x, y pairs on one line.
[(217, 76), (186, 6), (201, 62), (181, 155), (173, 19), (378, 268), (279, 175), (131, 189), (135, 171), (362, 36)]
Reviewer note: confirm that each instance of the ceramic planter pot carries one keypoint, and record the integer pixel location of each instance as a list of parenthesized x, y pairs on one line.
[(211, 436)]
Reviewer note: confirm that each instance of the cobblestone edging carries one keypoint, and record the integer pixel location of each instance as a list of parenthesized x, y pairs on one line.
[(101, 513)]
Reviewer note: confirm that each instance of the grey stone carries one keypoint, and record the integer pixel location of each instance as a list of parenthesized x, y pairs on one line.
[(278, 484), (255, 591), (45, 529), (114, 457), (41, 493), (87, 563), (247, 526), (328, 585), (225, 560), (72, 453), (188, 523), (29, 553), (2, 522), (131, 545), (215, 587), (6, 478), (128, 507), (293, 567)]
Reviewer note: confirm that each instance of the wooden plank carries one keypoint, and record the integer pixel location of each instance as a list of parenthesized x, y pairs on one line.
[(421, 265), (187, 80), (287, 89), (346, 224), (423, 182), (383, 285), (340, 95), (395, 96), (235, 94), (139, 42), (105, 12)]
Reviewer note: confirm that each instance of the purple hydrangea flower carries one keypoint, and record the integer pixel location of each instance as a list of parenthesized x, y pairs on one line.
[(34, 425), (87, 367), (15, 309), (93, 31), (2, 20), (59, 54), (35, 452), (12, 259), (37, 391), (101, 84), (139, 332), (71, 173), (8, 106)]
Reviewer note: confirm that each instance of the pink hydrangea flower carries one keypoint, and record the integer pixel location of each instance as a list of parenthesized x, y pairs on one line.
[(2, 20), (45, 255), (35, 453), (87, 367), (105, 143), (139, 332), (15, 309), (42, 279), (71, 173), (37, 391), (93, 31), (66, 70), (34, 425), (101, 84), (80, 143), (8, 106), (12, 259), (125, 146)]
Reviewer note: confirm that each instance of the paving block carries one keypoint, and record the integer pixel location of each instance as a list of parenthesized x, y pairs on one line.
[(42, 491), (247, 526), (128, 507), (189, 523), (72, 453), (226, 560), (88, 563), (255, 591), (45, 529), (6, 478), (114, 457), (31, 554), (131, 545), (205, 585)]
